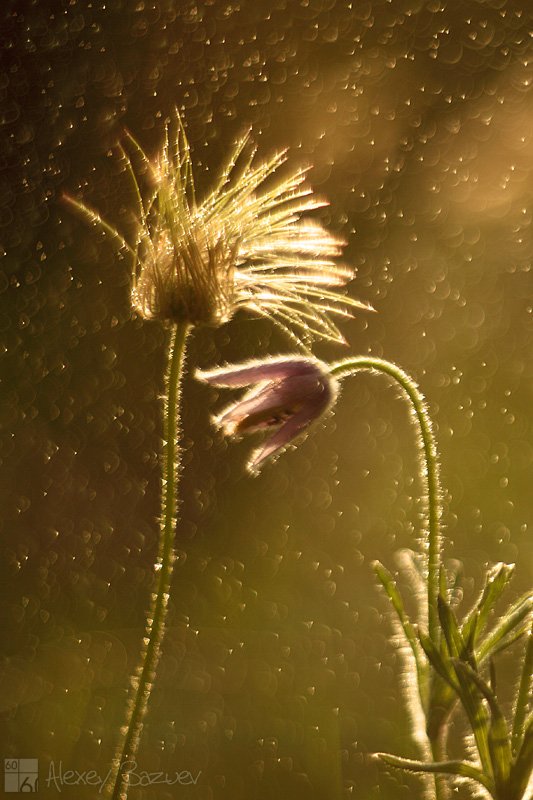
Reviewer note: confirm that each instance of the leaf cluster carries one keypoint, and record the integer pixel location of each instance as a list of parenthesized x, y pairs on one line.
[(457, 667)]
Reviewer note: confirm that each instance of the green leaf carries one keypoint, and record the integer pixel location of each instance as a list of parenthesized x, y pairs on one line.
[(465, 686), (437, 661), (523, 696), (477, 716), (470, 633), (498, 735), (523, 765), (457, 646), (492, 674), (509, 640), (389, 584), (496, 580), (444, 689), (513, 624), (462, 768), (443, 582), (467, 690)]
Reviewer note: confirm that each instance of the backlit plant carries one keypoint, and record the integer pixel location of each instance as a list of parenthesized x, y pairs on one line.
[(245, 245), (445, 660)]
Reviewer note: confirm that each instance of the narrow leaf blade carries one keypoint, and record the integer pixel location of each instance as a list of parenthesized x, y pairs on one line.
[(516, 619), (462, 768), (523, 696), (498, 735)]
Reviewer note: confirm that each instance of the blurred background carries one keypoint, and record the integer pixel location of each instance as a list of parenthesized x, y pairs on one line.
[(278, 676)]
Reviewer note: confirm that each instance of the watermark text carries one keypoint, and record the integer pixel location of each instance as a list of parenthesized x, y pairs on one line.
[(59, 777)]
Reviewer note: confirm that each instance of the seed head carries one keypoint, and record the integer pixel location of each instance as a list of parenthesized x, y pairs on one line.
[(245, 245)]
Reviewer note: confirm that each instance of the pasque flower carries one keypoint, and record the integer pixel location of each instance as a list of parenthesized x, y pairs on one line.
[(245, 245), (286, 397)]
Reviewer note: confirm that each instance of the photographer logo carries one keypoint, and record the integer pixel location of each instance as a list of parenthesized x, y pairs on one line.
[(21, 774)]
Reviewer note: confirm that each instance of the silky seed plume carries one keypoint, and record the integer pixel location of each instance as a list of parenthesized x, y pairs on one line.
[(247, 244)]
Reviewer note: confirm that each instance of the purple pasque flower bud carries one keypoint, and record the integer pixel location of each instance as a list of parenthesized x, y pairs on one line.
[(287, 396)]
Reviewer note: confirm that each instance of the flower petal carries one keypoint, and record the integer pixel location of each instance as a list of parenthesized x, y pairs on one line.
[(269, 405), (316, 404), (260, 371), (254, 402), (295, 426)]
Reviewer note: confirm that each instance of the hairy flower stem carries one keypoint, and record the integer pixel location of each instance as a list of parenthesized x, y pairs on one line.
[(429, 470), (142, 682), (438, 753)]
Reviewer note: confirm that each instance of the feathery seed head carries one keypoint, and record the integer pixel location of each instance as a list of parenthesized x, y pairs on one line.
[(244, 246)]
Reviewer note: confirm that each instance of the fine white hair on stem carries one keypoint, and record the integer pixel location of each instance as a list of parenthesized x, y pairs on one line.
[(247, 244)]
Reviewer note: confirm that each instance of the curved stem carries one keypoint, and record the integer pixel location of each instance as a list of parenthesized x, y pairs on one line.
[(429, 472), (430, 475), (141, 684)]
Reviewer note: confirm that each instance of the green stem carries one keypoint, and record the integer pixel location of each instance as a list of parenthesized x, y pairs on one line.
[(141, 684), (438, 752), (429, 471)]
